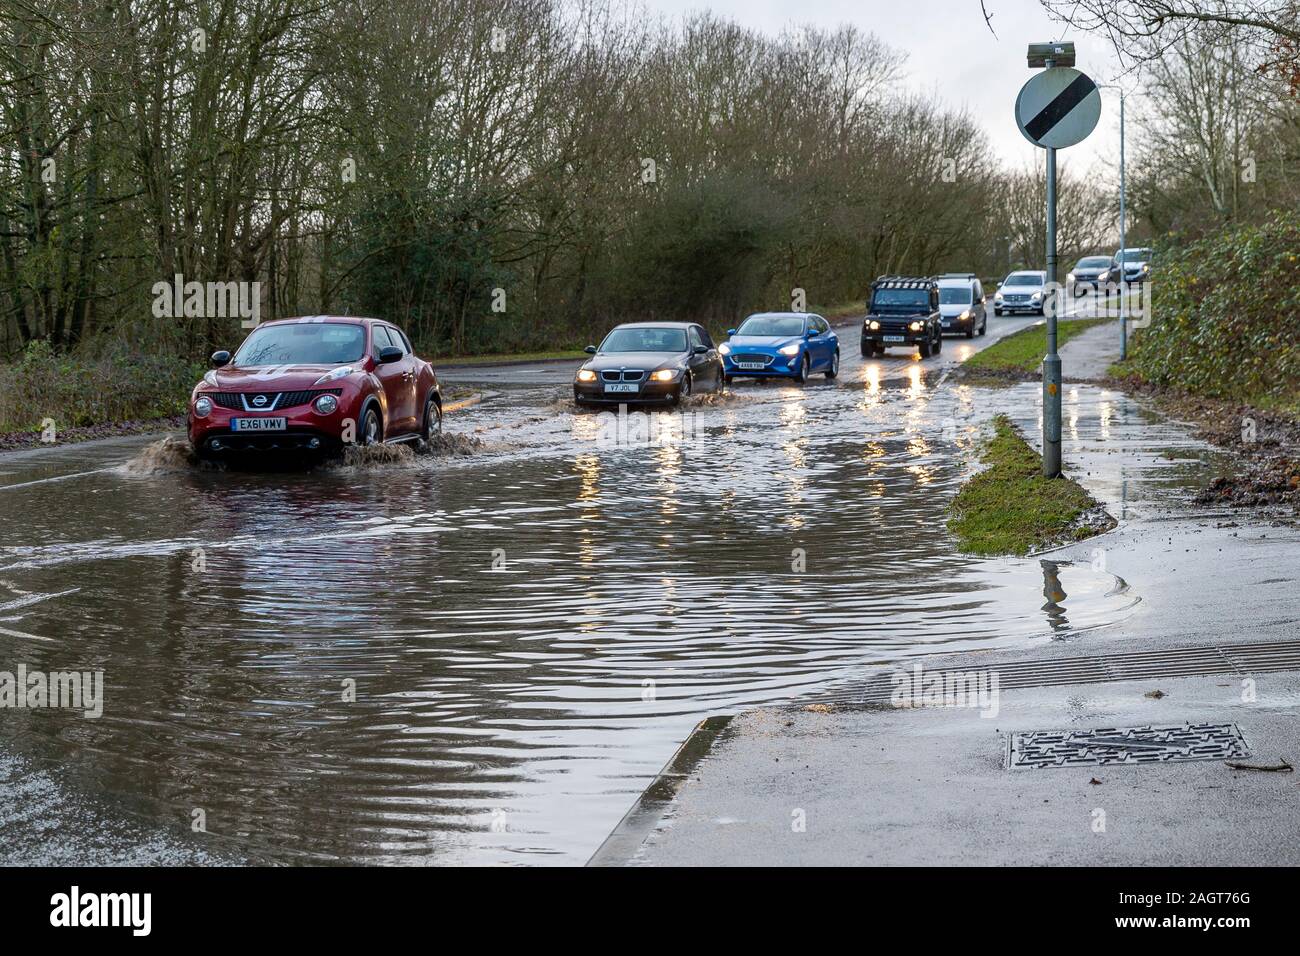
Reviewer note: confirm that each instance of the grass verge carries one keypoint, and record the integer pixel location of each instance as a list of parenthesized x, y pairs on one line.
[(53, 397), (1010, 508), (1023, 351)]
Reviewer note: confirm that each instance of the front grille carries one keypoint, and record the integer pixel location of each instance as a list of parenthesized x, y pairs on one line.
[(1014, 297), (896, 327), (274, 400), (622, 375), (751, 357), (290, 441)]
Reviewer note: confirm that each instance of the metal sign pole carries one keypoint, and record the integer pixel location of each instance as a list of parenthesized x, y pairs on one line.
[(1123, 291), (1055, 109), (1051, 361)]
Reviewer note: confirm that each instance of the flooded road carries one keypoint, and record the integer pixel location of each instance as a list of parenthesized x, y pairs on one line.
[(484, 658)]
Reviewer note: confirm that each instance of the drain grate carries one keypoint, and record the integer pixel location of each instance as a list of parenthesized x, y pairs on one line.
[(1125, 745)]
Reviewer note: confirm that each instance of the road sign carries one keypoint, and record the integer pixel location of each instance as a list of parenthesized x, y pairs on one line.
[(1058, 108)]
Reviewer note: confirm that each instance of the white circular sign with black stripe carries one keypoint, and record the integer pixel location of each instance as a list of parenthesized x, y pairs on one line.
[(1058, 108)]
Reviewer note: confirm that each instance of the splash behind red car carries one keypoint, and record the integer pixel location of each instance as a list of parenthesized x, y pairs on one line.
[(314, 384)]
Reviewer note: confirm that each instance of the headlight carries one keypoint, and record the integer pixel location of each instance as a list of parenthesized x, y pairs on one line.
[(873, 325), (211, 378), (326, 404), (1037, 295), (1069, 277), (340, 372), (203, 407), (1146, 267), (917, 326), (586, 375), (664, 375), (791, 349), (965, 315), (997, 296), (724, 348)]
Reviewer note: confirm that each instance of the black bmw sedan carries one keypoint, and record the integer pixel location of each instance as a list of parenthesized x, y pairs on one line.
[(649, 362)]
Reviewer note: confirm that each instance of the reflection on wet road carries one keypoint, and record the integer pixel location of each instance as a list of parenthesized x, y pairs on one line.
[(485, 659)]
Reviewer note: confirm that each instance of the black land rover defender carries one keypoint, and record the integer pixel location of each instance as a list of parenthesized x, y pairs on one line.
[(903, 310)]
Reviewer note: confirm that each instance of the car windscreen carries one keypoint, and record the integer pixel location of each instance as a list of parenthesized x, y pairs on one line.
[(1094, 262), (1135, 255), (895, 298), (1026, 279), (645, 340), (771, 325), (954, 295), (327, 343)]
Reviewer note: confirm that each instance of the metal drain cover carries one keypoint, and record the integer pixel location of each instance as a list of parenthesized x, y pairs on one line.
[(1125, 745)]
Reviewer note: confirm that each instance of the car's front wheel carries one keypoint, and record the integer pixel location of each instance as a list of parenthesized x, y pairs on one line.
[(833, 369), (372, 432), (431, 425), (804, 366), (997, 312), (683, 390)]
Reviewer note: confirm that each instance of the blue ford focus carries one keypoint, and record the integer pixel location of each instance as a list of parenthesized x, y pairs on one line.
[(787, 344)]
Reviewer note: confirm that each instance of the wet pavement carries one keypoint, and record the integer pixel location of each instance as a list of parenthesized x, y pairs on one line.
[(484, 657), (929, 786)]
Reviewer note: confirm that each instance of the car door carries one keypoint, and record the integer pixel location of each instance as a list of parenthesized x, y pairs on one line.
[(977, 307), (702, 372), (824, 341), (398, 379), (714, 359)]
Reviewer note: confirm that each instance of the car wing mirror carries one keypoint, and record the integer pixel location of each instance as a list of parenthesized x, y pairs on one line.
[(731, 331), (390, 354), (220, 357), (590, 350), (699, 350)]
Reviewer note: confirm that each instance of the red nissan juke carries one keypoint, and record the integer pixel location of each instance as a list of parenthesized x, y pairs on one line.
[(313, 385)]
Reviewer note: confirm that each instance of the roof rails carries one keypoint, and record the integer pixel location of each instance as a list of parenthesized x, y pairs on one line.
[(958, 275), (903, 282)]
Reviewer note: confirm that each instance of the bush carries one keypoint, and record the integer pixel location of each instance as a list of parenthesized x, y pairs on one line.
[(78, 389), (1224, 316)]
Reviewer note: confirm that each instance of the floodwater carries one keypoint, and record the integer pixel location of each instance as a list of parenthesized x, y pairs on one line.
[(484, 657)]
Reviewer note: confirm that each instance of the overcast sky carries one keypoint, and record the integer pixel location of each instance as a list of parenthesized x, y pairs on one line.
[(952, 54)]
